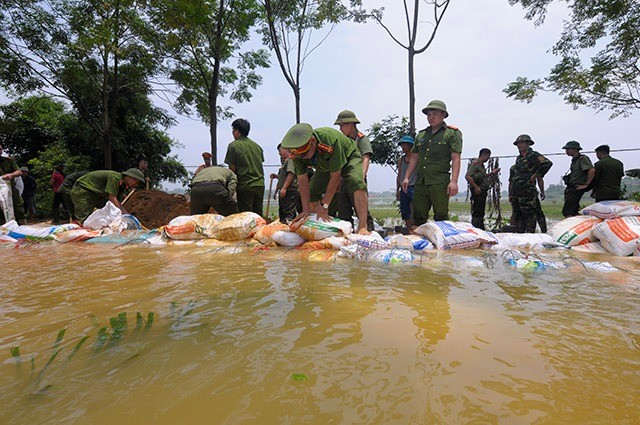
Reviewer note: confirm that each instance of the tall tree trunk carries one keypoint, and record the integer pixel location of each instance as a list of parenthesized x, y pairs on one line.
[(214, 87), (106, 120), (412, 92), (296, 94)]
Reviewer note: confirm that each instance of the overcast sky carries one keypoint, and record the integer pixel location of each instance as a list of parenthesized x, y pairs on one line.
[(480, 47)]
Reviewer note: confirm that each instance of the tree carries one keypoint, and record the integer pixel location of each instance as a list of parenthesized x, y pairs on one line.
[(608, 31), (202, 41), (71, 47), (287, 30), (413, 23), (384, 137)]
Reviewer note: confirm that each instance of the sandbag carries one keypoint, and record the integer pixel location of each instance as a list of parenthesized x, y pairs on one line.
[(333, 242), (111, 217), (237, 226), (7, 239), (6, 201), (521, 240), (279, 233), (76, 235), (620, 236), (28, 231), (190, 227), (454, 235), (612, 209), (591, 247), (415, 242), (372, 241), (314, 229), (8, 226), (574, 230)]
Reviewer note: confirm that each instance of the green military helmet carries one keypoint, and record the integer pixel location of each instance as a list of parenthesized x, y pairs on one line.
[(135, 173), (297, 136), (436, 104), (345, 117), (523, 138), (572, 145)]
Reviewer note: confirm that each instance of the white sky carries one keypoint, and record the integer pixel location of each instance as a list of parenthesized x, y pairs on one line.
[(480, 47)]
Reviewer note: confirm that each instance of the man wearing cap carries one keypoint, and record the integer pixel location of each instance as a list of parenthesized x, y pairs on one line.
[(245, 158), (206, 156), (578, 179), (609, 174), (214, 187), (347, 123), (436, 152), (523, 176), (9, 171), (405, 198), (337, 161), (479, 182), (29, 193), (95, 188)]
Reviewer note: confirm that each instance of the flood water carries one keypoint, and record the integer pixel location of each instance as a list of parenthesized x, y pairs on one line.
[(284, 337)]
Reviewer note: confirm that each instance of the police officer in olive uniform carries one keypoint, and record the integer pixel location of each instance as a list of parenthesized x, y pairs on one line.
[(347, 122), (65, 191), (522, 183), (8, 172), (579, 178), (95, 188), (337, 161), (214, 187), (438, 148)]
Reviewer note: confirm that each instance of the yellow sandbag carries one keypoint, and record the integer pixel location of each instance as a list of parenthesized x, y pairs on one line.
[(189, 227), (264, 234), (237, 226)]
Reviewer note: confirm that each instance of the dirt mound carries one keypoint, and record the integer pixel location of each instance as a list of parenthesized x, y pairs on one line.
[(155, 208)]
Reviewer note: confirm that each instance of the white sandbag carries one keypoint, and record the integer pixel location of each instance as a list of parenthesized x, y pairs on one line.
[(103, 217), (454, 235), (371, 241), (415, 242), (314, 229), (28, 231), (7, 239), (236, 227), (575, 230), (612, 209), (391, 256), (75, 235), (591, 248), (620, 236), (190, 227), (521, 240), (6, 201), (288, 238), (333, 242), (8, 226)]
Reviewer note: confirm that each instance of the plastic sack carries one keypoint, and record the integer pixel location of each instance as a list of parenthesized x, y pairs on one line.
[(8, 226), (612, 209), (103, 217), (333, 242), (279, 233), (6, 201), (76, 235), (189, 227), (619, 236), (391, 256), (372, 241), (7, 239), (415, 242), (574, 230), (264, 234), (591, 247), (126, 236), (236, 227), (38, 232), (314, 229), (450, 235), (521, 240)]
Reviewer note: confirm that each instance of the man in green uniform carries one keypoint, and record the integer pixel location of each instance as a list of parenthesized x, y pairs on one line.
[(95, 188), (437, 148), (287, 193), (609, 174), (522, 183), (245, 158), (337, 161), (579, 178), (9, 171), (347, 122), (214, 187), (65, 191), (479, 182)]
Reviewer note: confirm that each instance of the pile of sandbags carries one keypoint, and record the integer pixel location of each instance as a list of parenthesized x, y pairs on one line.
[(454, 235)]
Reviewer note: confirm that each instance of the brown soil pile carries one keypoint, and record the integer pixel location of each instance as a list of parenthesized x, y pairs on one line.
[(155, 208)]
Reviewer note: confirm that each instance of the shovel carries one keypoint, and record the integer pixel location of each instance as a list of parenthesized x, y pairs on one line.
[(266, 214)]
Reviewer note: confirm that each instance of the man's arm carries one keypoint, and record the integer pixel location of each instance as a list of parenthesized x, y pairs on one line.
[(469, 178), (366, 160), (590, 175), (413, 162), (287, 182), (541, 186), (452, 188), (332, 188)]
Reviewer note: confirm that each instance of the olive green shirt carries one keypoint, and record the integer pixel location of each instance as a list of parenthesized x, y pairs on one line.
[(102, 182), (215, 174), (578, 170), (606, 182), (478, 173), (69, 181), (434, 154), (286, 168), (364, 144), (247, 157), (8, 165), (333, 152)]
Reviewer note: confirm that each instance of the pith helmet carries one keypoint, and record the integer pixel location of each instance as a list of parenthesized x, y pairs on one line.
[(345, 117), (572, 145), (135, 173), (436, 104), (297, 136), (406, 139), (523, 138), (206, 155)]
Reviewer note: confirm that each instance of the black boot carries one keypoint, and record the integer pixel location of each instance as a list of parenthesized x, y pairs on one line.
[(477, 222)]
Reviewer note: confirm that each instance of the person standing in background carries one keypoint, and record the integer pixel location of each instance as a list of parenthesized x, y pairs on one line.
[(608, 176), (405, 198), (29, 193), (56, 180), (287, 194), (579, 178)]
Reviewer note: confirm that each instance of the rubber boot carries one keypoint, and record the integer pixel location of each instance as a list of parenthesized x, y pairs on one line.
[(477, 222)]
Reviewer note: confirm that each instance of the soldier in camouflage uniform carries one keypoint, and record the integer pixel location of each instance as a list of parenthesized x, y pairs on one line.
[(522, 183)]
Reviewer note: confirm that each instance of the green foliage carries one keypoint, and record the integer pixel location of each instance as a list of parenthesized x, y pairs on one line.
[(607, 30), (384, 137)]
